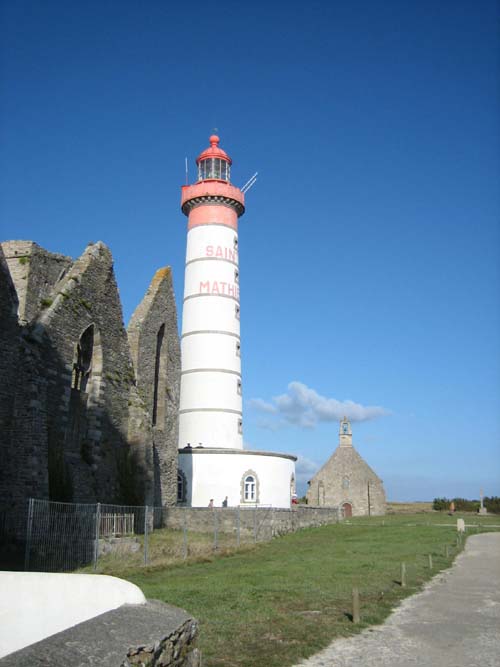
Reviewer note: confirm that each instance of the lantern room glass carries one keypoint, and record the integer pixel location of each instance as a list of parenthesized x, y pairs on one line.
[(213, 169)]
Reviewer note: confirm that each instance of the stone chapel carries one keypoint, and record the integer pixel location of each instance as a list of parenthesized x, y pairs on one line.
[(347, 481)]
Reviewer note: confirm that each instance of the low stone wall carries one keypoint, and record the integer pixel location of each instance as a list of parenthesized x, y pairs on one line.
[(263, 523)]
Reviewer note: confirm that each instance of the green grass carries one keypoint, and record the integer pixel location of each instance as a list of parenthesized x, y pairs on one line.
[(166, 548), (286, 599)]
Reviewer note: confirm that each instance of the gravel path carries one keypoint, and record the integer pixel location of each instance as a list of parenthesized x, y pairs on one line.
[(453, 622)]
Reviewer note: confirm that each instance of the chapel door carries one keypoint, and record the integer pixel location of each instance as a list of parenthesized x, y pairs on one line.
[(347, 507)]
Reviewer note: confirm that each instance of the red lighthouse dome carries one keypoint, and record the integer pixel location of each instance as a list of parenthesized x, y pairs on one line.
[(214, 163)]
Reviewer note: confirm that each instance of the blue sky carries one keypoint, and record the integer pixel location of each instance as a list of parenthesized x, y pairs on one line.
[(370, 249)]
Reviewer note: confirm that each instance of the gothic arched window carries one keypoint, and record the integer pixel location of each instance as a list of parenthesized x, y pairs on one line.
[(82, 366), (160, 380)]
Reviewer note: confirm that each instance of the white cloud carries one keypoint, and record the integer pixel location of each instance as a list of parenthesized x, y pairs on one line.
[(304, 407), (305, 469), (261, 405)]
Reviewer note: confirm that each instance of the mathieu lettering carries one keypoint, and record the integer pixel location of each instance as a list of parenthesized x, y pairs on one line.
[(220, 288)]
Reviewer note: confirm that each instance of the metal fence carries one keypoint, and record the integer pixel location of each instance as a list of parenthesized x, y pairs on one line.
[(62, 537)]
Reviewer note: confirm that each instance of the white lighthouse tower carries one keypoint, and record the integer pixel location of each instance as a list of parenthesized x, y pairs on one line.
[(212, 462), (211, 403)]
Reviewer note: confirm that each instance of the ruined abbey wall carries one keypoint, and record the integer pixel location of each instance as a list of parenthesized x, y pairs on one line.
[(155, 349), (76, 414)]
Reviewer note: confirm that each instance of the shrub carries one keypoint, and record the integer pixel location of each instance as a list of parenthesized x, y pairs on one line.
[(464, 505), (441, 504), (492, 504)]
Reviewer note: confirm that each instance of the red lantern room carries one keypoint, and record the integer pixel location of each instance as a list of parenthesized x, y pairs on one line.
[(213, 184), (214, 164)]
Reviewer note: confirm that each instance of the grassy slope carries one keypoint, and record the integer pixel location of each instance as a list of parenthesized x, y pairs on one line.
[(288, 598)]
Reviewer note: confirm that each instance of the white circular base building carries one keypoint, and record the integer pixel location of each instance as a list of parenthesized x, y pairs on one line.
[(243, 477)]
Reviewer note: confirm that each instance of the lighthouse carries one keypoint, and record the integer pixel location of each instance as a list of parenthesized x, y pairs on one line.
[(210, 411), (213, 464)]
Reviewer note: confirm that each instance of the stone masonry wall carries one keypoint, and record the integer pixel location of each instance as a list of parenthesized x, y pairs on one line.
[(347, 478), (146, 635), (263, 522), (88, 449), (78, 422), (10, 347), (34, 271), (155, 350), (23, 424)]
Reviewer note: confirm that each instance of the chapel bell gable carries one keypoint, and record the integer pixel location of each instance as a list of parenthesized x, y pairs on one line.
[(345, 433)]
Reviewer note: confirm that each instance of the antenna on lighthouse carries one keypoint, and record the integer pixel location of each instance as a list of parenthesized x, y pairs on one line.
[(251, 181), (187, 182)]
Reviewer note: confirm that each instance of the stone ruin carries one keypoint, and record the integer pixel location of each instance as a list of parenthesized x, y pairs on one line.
[(88, 410)]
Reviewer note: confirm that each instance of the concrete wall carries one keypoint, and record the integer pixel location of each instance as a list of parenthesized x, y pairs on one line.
[(64, 620), (36, 605)]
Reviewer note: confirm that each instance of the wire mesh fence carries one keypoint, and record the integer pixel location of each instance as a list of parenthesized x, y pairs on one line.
[(62, 537)]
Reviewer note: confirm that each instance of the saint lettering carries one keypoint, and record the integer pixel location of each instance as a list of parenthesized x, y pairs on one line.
[(221, 252)]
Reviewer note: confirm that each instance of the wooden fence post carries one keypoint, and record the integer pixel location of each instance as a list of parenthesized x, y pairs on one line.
[(430, 561), (403, 575), (355, 606)]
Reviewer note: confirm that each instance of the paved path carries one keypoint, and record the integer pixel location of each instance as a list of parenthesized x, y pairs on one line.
[(453, 622)]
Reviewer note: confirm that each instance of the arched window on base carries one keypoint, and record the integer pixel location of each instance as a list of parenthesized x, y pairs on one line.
[(250, 487)]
